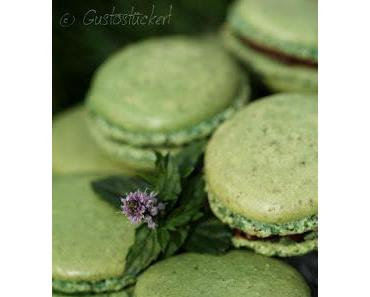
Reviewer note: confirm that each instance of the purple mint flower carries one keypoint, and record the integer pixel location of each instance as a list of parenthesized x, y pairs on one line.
[(141, 207)]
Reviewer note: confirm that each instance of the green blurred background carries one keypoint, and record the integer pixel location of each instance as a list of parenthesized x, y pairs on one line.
[(78, 49)]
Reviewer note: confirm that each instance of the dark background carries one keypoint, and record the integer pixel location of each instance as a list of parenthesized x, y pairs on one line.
[(79, 49)]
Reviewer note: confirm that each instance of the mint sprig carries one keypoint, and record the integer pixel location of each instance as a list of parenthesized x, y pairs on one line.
[(178, 183), (112, 187), (167, 179), (143, 252), (189, 206), (209, 236)]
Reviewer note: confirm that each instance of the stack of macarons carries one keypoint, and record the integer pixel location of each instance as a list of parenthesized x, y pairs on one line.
[(90, 240), (261, 175), (162, 94), (277, 40)]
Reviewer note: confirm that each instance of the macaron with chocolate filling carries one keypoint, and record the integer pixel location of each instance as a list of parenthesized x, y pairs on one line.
[(277, 40), (236, 274), (90, 239), (261, 175), (74, 149), (162, 94)]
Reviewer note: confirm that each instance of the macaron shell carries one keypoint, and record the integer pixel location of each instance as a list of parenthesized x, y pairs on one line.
[(138, 158), (136, 150), (237, 274), (165, 84), (174, 138), (279, 249), (290, 26), (75, 151), (259, 228), (90, 238), (262, 163), (111, 294), (278, 76)]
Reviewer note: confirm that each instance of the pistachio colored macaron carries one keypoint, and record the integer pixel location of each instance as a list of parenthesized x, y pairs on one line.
[(90, 239), (261, 175), (75, 151), (277, 40), (112, 294), (236, 274), (162, 94)]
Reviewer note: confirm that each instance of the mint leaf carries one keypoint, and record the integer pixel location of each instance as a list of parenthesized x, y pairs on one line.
[(143, 252), (177, 239), (209, 236), (113, 187), (129, 290), (188, 158), (163, 237), (167, 178), (190, 203)]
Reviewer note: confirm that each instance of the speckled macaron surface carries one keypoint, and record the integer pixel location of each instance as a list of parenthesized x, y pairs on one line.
[(261, 174), (164, 84), (75, 151), (90, 238), (262, 164), (237, 274)]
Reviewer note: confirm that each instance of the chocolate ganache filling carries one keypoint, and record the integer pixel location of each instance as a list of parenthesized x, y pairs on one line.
[(293, 237), (277, 55)]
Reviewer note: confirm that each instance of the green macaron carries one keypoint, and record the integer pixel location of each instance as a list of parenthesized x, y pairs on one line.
[(277, 40), (112, 294), (261, 174), (75, 151), (90, 238), (236, 274), (162, 94)]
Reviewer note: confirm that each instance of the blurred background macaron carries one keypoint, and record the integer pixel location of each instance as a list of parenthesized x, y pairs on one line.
[(277, 40), (75, 151), (236, 274), (162, 94), (90, 239), (261, 175)]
